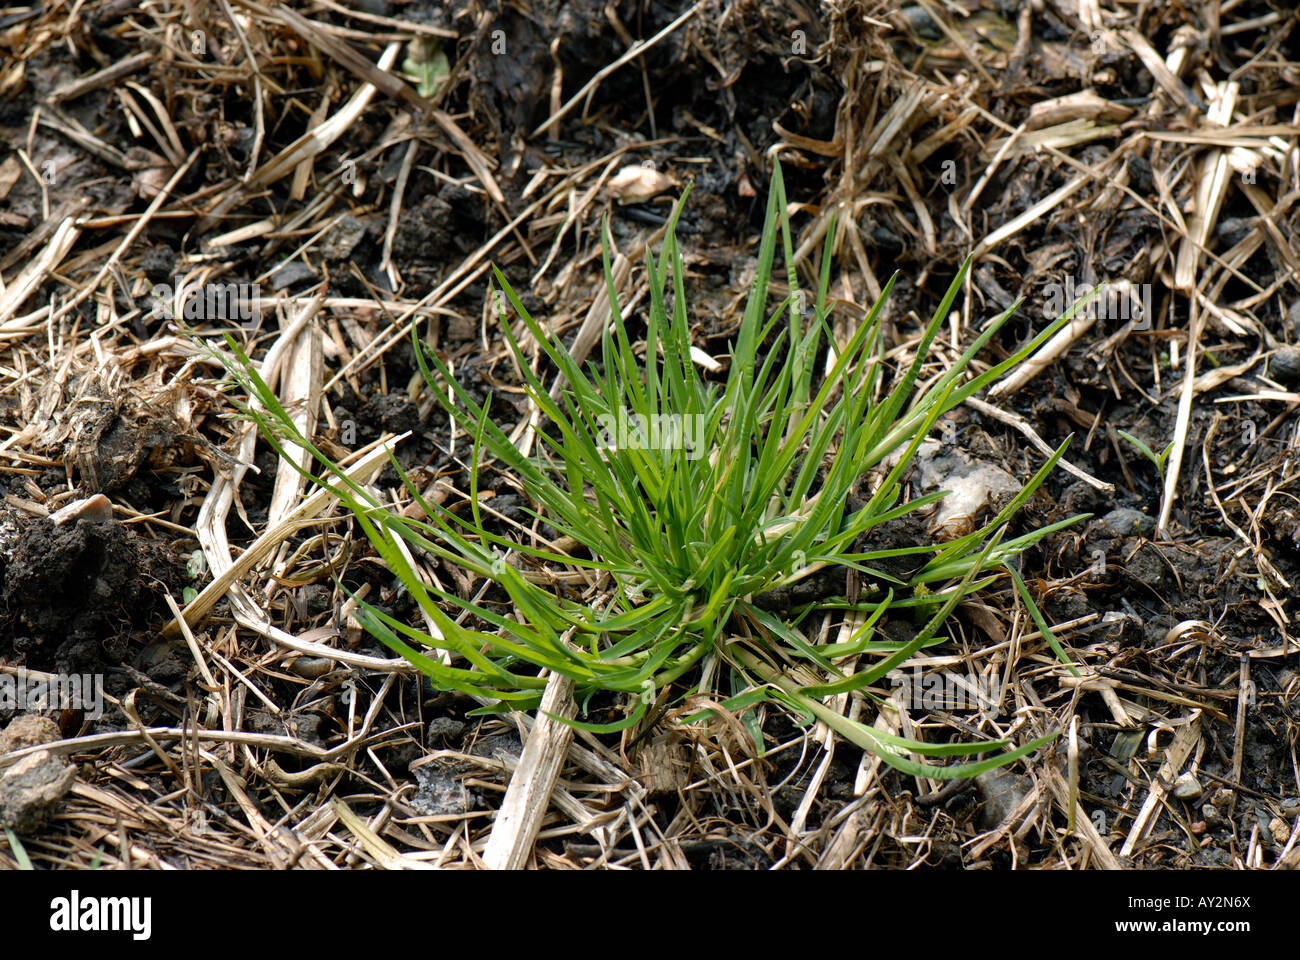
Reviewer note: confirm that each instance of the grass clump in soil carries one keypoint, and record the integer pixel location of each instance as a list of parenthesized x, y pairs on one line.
[(689, 498)]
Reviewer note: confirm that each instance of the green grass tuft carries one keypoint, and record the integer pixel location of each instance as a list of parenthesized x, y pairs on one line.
[(743, 489)]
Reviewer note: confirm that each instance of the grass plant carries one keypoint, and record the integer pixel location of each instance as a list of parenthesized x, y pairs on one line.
[(688, 496)]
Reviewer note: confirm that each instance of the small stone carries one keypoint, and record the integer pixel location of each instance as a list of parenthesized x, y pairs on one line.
[(1284, 365), (27, 730), (1187, 787), (1231, 229), (1222, 798), (1212, 816), (342, 238), (295, 271), (30, 789), (1280, 829), (1127, 521), (1197, 827), (921, 22)]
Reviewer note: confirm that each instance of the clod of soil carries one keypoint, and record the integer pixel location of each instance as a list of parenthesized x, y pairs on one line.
[(27, 730), (70, 594), (111, 445), (30, 789), (439, 793)]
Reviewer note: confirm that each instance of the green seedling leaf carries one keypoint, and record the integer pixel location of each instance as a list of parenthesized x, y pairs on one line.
[(426, 62)]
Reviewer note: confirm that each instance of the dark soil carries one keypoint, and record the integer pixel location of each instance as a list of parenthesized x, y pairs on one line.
[(72, 596)]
